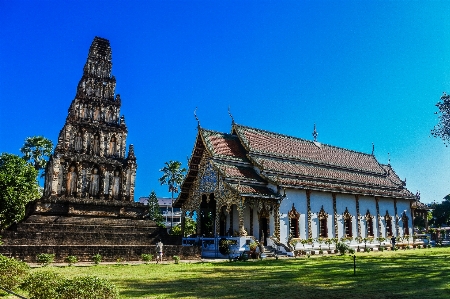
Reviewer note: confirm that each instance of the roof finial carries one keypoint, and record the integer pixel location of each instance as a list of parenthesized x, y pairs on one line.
[(373, 148), (232, 118), (315, 133), (195, 115)]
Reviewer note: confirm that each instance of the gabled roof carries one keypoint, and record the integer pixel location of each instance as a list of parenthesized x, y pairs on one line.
[(249, 160)]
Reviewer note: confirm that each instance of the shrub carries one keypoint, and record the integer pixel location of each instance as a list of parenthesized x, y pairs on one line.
[(176, 258), (342, 248), (45, 258), (146, 257), (381, 249), (87, 287), (71, 259), (351, 250), (12, 272), (97, 259), (42, 285)]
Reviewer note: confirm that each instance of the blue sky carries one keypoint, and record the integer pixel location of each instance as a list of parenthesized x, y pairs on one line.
[(363, 72)]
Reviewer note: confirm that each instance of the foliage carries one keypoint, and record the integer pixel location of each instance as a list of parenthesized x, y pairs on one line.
[(18, 186), (42, 285), (225, 246), (51, 285), (342, 248), (87, 287), (97, 259), (442, 129), (176, 259), (71, 259), (12, 272), (45, 258), (154, 212), (35, 150), (146, 257), (441, 212), (190, 227), (173, 175)]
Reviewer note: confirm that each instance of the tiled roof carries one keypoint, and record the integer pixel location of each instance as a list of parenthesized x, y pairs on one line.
[(223, 145), (317, 171), (287, 161), (238, 172), (277, 145)]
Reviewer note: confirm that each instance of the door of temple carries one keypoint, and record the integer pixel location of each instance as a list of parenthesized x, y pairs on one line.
[(264, 233), (207, 214)]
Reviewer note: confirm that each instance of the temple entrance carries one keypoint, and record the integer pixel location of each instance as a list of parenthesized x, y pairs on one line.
[(264, 231), (207, 216), (223, 223)]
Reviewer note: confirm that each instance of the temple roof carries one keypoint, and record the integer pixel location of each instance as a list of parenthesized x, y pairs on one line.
[(255, 162)]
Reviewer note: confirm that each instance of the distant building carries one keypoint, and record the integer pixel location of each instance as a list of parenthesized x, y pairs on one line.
[(165, 205)]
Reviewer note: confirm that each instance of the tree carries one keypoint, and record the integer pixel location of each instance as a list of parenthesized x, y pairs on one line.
[(18, 186), (190, 227), (441, 212), (173, 176), (154, 212), (442, 129), (36, 149)]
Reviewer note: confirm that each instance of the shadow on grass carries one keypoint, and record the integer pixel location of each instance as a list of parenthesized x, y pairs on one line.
[(416, 274)]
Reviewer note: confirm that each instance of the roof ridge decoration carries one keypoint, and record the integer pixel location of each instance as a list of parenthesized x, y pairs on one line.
[(195, 115)]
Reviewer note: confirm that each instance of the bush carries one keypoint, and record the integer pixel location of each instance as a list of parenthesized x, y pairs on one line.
[(381, 249), (71, 259), (351, 250), (97, 259), (176, 258), (342, 248), (87, 287), (42, 285), (45, 258), (146, 257), (12, 272), (49, 285)]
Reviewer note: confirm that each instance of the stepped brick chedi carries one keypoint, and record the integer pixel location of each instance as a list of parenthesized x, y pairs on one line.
[(88, 203), (89, 160)]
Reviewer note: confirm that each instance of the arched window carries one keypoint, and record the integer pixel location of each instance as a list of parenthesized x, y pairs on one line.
[(388, 220), (293, 222), (405, 223), (369, 224), (323, 223), (348, 224)]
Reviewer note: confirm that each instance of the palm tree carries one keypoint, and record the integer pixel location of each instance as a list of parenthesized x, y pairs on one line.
[(173, 176), (35, 150)]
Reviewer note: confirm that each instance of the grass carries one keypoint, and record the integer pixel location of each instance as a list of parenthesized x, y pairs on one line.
[(420, 273)]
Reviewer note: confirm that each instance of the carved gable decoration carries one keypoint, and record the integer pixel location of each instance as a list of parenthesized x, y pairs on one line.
[(208, 180)]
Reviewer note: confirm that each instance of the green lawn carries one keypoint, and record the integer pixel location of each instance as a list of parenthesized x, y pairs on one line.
[(420, 273)]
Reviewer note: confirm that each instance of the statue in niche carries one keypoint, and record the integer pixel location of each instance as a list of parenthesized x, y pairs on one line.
[(96, 145), (71, 181), (93, 188), (115, 185), (78, 144), (97, 114), (112, 146)]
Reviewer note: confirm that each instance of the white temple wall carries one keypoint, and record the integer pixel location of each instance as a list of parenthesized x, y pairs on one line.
[(298, 198), (404, 205), (387, 204), (319, 199)]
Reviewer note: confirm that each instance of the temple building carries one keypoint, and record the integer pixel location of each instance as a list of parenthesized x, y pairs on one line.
[(272, 186)]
